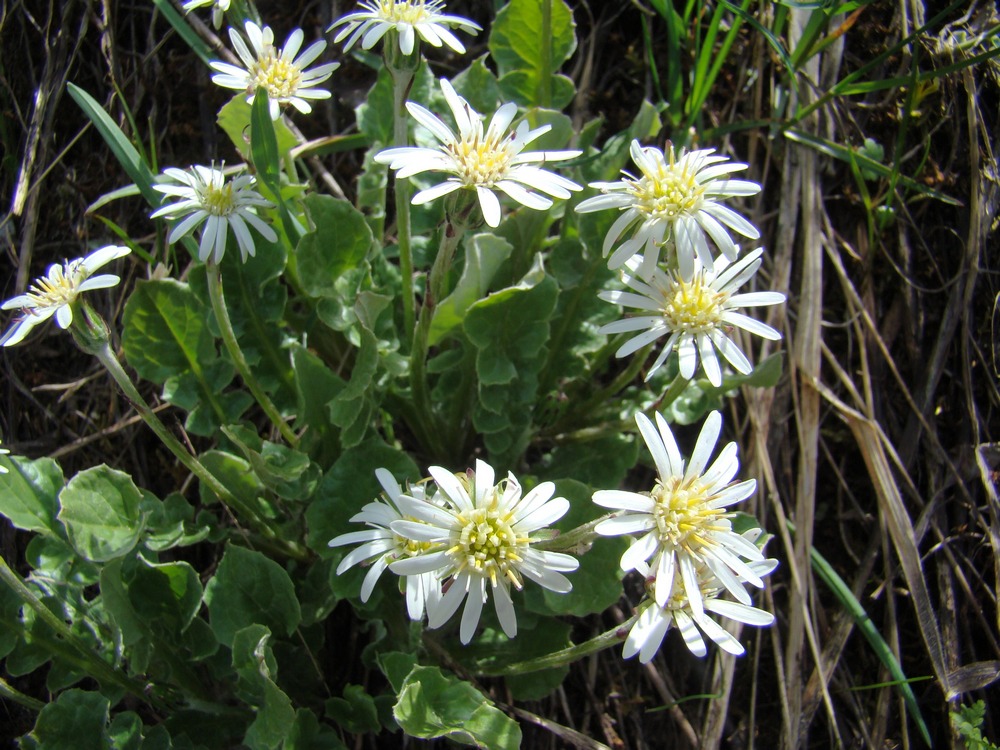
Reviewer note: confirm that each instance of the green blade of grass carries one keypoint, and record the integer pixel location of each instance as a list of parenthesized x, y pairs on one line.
[(127, 155), (182, 27), (843, 592)]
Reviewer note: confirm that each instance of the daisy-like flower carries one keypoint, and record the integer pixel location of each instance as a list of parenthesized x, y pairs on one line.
[(655, 620), (207, 197), (676, 201), (480, 160), (485, 531), (282, 73), (381, 545), (693, 314), (56, 292), (408, 18), (219, 8), (683, 520)]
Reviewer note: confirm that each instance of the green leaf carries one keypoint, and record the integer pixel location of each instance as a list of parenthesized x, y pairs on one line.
[(339, 241), (478, 86), (167, 340), (287, 472), (100, 510), (355, 712), (597, 582), (167, 594), (234, 119), (492, 651), (530, 41), (234, 472), (125, 731), (77, 719), (432, 704), (28, 493), (348, 486), (484, 254), (118, 142), (257, 669), (308, 734), (249, 588)]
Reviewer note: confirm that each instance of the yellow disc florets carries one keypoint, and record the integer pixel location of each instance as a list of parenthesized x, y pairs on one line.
[(403, 11), (58, 287), (218, 199), (483, 160), (488, 545), (276, 75), (692, 306), (683, 514), (669, 191)]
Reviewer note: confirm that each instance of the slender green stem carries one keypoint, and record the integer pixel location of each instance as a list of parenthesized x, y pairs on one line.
[(216, 293), (401, 82), (451, 234), (7, 692), (192, 464), (94, 664), (568, 655), (577, 540)]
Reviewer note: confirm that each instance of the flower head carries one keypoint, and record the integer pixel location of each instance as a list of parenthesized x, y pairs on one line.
[(282, 73), (694, 314), (207, 197), (683, 519), (675, 201), (56, 292), (381, 545), (407, 18), (481, 160), (485, 532), (655, 620), (219, 8)]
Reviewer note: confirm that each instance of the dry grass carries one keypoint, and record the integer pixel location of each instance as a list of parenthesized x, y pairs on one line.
[(877, 447)]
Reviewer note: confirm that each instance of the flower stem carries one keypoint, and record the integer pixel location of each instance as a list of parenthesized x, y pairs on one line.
[(401, 82), (215, 291), (192, 464), (94, 664), (567, 655), (451, 234)]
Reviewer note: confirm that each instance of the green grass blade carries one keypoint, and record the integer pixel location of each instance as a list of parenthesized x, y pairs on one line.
[(127, 155), (843, 592), (182, 27), (848, 155)]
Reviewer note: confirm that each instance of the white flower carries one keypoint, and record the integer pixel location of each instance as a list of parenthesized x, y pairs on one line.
[(480, 160), (219, 8), (207, 197), (282, 73), (654, 621), (485, 530), (406, 18), (383, 546), (675, 201), (683, 519), (56, 291), (694, 314)]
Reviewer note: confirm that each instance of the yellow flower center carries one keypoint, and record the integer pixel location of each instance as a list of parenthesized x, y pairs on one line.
[(403, 11), (279, 77), (483, 161), (58, 287), (683, 515), (692, 306), (668, 192), (488, 545), (218, 201)]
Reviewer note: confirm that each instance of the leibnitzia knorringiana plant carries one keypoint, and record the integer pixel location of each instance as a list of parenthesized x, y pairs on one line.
[(318, 350)]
